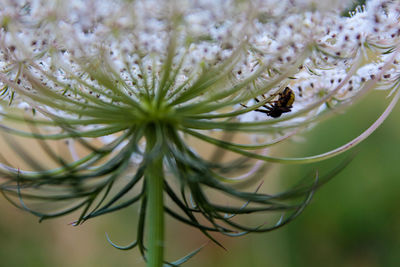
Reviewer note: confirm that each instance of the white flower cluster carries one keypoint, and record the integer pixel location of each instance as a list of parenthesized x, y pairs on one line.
[(304, 44)]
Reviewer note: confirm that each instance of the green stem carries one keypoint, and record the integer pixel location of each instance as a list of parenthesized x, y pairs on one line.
[(155, 207)]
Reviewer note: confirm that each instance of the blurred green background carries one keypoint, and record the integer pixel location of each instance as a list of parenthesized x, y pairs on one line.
[(354, 220)]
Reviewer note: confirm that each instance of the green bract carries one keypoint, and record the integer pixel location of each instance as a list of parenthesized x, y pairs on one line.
[(133, 84)]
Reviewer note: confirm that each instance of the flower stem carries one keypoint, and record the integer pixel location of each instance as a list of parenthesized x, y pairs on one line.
[(155, 208)]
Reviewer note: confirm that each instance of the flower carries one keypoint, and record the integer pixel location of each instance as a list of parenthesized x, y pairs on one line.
[(146, 76)]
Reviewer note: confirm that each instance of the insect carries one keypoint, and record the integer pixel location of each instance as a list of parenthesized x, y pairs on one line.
[(282, 105)]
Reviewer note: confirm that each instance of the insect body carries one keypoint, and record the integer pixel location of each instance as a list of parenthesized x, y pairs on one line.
[(282, 105)]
